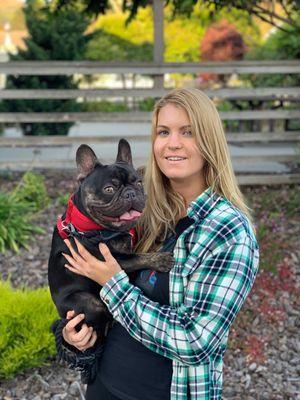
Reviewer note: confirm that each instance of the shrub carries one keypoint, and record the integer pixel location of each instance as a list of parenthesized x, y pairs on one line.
[(32, 191), (221, 42), (63, 199), (15, 226), (25, 337)]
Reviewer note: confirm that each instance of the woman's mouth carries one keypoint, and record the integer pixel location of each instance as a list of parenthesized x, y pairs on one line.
[(175, 158)]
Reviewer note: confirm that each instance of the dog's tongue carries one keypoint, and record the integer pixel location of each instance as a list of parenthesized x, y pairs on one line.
[(129, 215)]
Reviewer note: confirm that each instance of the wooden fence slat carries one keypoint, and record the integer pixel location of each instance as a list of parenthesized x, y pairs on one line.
[(148, 68), (243, 179), (268, 179), (287, 158), (56, 141), (263, 94), (138, 116)]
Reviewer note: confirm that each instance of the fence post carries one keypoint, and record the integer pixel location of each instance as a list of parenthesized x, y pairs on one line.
[(158, 55)]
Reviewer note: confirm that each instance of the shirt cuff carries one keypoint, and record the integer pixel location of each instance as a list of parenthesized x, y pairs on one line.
[(116, 291)]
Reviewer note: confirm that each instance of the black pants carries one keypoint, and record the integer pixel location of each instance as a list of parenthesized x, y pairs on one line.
[(97, 391)]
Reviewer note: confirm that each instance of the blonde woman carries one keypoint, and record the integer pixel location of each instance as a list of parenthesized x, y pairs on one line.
[(171, 328)]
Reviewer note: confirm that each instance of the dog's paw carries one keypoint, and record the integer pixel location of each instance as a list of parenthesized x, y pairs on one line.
[(164, 262)]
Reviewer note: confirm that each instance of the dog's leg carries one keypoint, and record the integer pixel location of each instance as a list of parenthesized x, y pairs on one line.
[(161, 262)]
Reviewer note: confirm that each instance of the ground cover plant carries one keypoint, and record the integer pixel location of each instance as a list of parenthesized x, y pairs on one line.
[(15, 223), (17, 208), (25, 337), (31, 190)]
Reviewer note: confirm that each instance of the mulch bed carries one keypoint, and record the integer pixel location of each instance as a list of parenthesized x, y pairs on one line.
[(262, 360)]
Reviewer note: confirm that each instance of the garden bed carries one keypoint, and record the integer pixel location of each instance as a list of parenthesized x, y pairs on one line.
[(262, 361)]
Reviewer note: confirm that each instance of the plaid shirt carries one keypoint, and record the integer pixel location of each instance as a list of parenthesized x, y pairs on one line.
[(216, 260)]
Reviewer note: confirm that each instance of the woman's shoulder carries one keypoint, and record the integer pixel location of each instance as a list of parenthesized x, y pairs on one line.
[(224, 224)]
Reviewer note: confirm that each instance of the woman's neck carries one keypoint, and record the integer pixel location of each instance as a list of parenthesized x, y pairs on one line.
[(189, 192)]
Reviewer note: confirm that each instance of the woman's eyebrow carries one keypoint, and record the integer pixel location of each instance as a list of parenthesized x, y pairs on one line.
[(162, 126), (181, 128), (185, 127)]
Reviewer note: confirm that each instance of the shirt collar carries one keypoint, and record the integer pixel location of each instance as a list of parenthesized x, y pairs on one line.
[(203, 204)]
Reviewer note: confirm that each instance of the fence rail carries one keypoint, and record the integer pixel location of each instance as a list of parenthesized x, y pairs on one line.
[(148, 68), (262, 94), (275, 109), (56, 141), (139, 116)]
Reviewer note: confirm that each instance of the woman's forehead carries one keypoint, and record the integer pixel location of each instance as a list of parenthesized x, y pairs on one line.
[(170, 114)]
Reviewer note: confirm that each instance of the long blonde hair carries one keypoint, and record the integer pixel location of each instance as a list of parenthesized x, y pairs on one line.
[(164, 207)]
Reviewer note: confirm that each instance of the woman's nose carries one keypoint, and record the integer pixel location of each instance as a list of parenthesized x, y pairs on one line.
[(174, 140)]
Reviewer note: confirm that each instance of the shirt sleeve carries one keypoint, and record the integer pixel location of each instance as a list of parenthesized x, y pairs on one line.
[(191, 332)]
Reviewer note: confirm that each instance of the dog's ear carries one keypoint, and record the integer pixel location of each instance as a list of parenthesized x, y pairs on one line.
[(124, 152), (86, 160)]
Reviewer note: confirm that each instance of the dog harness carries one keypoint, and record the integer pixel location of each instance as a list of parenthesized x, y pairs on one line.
[(75, 223)]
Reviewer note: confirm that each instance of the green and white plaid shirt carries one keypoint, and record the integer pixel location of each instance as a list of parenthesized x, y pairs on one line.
[(216, 260)]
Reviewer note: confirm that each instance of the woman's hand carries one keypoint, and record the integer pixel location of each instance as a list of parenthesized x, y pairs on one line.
[(82, 340), (84, 263)]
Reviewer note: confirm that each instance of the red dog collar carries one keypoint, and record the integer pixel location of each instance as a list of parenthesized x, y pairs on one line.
[(81, 222)]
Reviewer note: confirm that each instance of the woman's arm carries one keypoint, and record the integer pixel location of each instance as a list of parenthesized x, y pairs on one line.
[(190, 333)]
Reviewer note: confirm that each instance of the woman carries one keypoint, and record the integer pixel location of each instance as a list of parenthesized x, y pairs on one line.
[(171, 329)]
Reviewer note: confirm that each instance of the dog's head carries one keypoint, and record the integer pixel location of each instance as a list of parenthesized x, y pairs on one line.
[(111, 195)]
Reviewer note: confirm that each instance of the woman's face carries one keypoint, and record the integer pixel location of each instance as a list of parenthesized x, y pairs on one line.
[(175, 148)]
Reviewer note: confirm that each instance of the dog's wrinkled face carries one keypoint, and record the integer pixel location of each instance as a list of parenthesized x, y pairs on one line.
[(112, 195)]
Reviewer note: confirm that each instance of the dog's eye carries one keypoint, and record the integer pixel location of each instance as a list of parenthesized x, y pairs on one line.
[(109, 189), (139, 184)]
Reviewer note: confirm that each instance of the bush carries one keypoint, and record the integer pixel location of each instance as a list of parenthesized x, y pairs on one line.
[(32, 191), (25, 337), (63, 199), (51, 36), (15, 226)]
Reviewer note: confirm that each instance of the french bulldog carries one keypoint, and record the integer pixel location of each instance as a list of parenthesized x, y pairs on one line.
[(104, 208)]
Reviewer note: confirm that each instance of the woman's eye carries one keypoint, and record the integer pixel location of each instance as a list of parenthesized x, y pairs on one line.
[(162, 133), (187, 133), (109, 189)]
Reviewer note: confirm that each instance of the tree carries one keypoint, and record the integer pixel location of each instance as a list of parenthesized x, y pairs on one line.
[(265, 10), (52, 36), (221, 42)]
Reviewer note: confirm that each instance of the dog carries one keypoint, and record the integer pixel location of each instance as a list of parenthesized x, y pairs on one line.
[(104, 208)]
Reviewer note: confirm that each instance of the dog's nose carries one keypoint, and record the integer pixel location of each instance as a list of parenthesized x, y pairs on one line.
[(130, 194)]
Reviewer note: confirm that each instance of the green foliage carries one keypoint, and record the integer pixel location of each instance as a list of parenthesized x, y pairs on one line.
[(105, 106), (281, 45), (25, 337), (107, 47), (31, 190), (52, 36), (262, 10), (114, 40), (15, 226), (146, 104), (63, 199)]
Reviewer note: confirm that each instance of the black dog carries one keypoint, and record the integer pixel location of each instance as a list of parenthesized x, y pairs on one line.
[(105, 208)]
